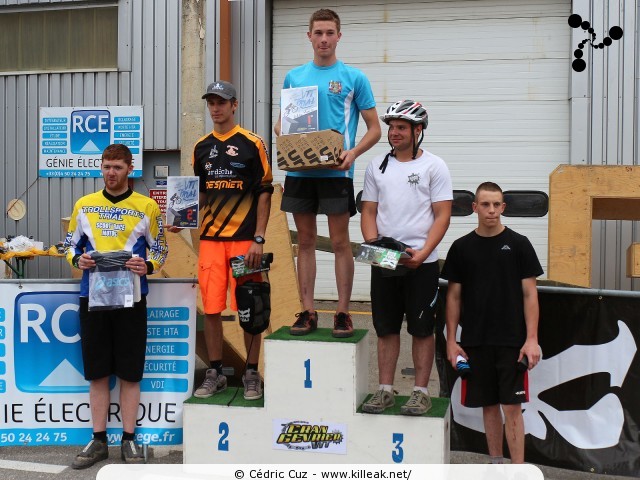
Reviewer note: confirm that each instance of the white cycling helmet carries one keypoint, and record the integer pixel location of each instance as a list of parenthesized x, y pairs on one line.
[(408, 110)]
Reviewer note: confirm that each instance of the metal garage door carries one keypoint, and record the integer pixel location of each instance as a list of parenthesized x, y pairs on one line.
[(494, 75)]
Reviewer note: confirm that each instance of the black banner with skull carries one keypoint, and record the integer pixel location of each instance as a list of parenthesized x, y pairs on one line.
[(584, 408)]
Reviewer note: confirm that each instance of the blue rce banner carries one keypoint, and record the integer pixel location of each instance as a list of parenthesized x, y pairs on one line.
[(44, 398)]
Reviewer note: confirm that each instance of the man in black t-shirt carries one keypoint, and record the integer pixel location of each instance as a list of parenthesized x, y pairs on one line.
[(492, 294)]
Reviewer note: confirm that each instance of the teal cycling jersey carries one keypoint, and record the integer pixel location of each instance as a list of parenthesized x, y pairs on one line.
[(343, 92)]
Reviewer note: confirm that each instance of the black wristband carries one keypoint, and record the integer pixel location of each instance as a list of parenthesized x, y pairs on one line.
[(149, 267), (75, 260)]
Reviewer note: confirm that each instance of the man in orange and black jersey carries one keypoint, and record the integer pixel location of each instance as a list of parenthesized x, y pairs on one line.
[(235, 197)]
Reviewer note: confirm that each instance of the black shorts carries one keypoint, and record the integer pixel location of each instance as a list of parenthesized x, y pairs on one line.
[(413, 294), (494, 377), (114, 341), (324, 195)]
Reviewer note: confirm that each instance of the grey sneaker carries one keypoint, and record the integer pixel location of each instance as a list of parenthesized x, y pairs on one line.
[(213, 383), (379, 402), (418, 404), (132, 453), (94, 452), (252, 385)]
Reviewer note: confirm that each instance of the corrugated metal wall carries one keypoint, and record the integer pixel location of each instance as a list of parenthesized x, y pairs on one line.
[(604, 122), (250, 60), (12, 3), (148, 75)]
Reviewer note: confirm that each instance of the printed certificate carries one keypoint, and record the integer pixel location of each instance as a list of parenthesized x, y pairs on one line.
[(182, 202), (299, 110)]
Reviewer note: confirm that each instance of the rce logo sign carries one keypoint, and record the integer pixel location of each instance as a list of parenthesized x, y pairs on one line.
[(90, 131), (48, 356), (34, 315)]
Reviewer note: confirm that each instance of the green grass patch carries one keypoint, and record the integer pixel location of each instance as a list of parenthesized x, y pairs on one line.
[(223, 398), (319, 335)]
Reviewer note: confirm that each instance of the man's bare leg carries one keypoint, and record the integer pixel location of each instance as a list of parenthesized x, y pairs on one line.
[(514, 431), (99, 398), (422, 350), (493, 429), (388, 352), (306, 265), (344, 267)]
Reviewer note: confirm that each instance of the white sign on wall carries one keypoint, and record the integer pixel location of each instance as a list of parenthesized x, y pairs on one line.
[(44, 397), (72, 139)]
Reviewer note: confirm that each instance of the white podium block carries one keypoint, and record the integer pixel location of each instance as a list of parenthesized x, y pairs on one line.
[(315, 373), (215, 433), (314, 388), (393, 438)]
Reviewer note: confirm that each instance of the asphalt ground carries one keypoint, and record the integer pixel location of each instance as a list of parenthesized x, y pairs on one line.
[(52, 463)]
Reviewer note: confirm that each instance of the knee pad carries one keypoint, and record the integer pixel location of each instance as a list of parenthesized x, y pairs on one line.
[(254, 306)]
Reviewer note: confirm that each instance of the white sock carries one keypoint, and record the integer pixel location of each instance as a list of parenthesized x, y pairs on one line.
[(386, 388), (496, 460), (424, 390)]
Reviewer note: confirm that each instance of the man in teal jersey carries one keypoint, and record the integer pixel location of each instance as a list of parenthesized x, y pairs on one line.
[(344, 93)]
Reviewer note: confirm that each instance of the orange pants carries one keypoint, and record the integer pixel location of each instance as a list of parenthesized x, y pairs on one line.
[(214, 273)]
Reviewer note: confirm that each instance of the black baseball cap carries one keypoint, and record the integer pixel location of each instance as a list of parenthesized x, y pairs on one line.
[(221, 88)]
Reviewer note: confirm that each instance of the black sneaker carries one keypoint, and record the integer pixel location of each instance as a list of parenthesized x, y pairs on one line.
[(306, 322), (94, 452), (132, 453), (342, 325)]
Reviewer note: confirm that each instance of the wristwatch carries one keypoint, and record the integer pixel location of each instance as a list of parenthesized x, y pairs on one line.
[(259, 239)]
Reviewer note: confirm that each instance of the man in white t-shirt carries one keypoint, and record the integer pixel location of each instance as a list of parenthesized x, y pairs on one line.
[(407, 196)]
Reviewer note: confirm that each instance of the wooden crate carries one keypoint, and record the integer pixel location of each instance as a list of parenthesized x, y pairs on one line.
[(633, 260), (579, 194)]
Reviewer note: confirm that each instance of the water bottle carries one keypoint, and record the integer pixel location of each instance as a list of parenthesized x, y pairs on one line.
[(462, 366)]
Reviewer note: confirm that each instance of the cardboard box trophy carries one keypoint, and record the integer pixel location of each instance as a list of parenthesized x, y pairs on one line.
[(301, 146), (303, 151)]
